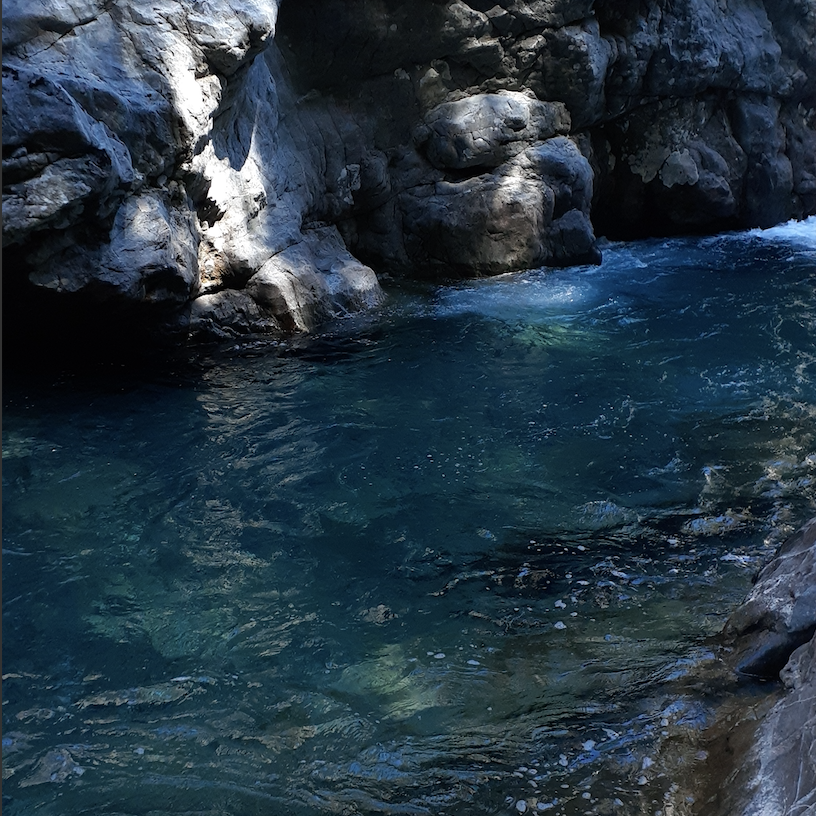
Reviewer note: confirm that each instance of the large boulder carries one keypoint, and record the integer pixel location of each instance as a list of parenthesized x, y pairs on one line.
[(310, 281), (313, 280), (530, 211), (484, 225)]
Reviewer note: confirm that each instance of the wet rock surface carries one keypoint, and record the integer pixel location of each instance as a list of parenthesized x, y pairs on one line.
[(765, 748), (157, 154), (779, 615)]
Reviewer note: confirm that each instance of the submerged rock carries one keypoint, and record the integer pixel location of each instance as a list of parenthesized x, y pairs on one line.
[(158, 694)]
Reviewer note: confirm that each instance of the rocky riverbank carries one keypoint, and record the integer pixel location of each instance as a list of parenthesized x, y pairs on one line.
[(234, 168), (761, 752)]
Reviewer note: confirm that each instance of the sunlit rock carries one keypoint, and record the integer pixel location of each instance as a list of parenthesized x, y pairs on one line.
[(780, 613), (487, 129), (312, 280)]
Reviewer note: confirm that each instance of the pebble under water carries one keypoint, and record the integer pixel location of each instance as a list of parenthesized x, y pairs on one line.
[(464, 555)]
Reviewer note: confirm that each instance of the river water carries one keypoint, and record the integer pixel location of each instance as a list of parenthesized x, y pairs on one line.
[(463, 555)]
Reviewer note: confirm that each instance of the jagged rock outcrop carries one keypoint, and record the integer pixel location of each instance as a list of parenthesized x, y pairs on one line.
[(769, 761), (693, 114), (779, 614), (145, 164), (162, 155)]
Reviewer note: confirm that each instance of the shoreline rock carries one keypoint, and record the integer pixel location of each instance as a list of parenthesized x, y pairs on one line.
[(762, 749)]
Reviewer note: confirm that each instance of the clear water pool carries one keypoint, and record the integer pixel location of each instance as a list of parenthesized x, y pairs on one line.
[(460, 556)]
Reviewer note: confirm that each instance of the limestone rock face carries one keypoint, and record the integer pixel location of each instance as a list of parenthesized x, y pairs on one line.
[(145, 161), (155, 153)]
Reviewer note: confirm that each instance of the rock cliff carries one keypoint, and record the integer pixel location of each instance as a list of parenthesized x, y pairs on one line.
[(238, 167)]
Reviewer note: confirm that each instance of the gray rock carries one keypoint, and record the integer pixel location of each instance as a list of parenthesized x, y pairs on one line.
[(766, 748), (769, 177), (500, 221), (801, 148), (572, 240), (549, 13), (561, 165), (63, 167), (705, 44), (313, 280), (196, 93), (485, 225), (152, 257), (570, 66), (779, 615), (487, 129), (427, 134), (784, 756), (228, 314), (679, 164)]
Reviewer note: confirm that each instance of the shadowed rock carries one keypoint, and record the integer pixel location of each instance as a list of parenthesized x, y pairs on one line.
[(762, 755)]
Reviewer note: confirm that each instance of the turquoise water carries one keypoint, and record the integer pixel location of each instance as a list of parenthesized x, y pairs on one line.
[(463, 555)]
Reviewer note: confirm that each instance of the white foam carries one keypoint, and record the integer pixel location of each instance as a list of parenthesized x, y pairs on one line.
[(801, 233), (529, 296)]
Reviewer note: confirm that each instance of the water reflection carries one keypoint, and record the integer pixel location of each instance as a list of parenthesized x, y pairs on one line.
[(462, 557)]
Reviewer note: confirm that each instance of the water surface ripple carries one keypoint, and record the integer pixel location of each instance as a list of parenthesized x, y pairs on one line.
[(460, 556)]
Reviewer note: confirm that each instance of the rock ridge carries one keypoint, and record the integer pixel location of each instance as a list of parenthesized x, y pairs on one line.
[(159, 156), (761, 753)]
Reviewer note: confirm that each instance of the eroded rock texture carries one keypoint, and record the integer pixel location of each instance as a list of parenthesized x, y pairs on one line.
[(779, 615), (768, 750), (162, 155), (145, 165)]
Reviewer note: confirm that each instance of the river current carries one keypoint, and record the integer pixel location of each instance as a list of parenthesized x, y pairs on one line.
[(463, 555)]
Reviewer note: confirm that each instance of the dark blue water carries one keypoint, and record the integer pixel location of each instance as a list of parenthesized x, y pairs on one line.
[(463, 555)]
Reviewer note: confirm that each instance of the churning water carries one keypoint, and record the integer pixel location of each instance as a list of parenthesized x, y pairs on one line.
[(461, 556)]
